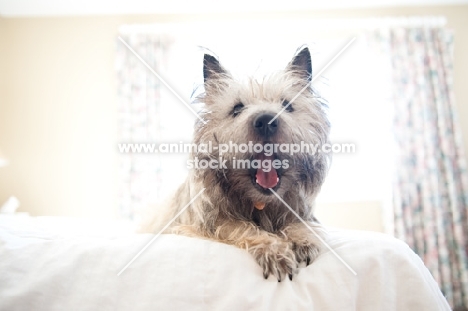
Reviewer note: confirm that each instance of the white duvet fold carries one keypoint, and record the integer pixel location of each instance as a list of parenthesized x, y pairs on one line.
[(43, 268)]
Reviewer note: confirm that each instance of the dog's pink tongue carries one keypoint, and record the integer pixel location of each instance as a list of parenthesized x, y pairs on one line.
[(266, 179)]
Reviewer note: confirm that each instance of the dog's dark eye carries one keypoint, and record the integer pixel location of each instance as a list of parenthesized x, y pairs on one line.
[(237, 109), (289, 107)]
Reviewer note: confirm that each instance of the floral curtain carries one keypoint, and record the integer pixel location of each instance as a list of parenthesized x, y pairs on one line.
[(138, 120), (430, 190)]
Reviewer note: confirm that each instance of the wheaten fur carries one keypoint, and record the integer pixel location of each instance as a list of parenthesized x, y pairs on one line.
[(225, 210)]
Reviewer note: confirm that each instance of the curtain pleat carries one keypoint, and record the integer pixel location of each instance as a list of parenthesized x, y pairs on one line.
[(430, 189)]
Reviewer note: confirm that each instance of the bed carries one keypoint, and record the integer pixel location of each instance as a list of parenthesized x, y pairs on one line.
[(52, 263)]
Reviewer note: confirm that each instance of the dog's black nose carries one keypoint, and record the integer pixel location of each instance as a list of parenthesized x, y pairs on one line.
[(264, 126)]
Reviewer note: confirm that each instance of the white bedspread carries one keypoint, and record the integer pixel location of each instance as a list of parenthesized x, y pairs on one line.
[(46, 265)]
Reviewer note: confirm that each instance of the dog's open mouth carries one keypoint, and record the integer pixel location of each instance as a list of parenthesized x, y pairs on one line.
[(266, 176)]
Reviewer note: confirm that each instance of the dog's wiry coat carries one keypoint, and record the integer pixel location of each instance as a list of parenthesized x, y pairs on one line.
[(225, 210)]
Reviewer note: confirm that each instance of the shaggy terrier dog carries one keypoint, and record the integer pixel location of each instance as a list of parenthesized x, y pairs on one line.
[(238, 206)]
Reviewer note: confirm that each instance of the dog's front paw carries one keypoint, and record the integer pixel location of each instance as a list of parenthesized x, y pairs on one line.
[(305, 251), (304, 240), (276, 258)]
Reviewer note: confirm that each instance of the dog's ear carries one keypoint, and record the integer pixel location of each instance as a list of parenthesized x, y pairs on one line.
[(212, 68), (301, 64)]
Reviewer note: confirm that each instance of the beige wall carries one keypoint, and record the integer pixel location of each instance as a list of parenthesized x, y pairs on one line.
[(351, 215), (58, 108), (2, 56), (58, 117)]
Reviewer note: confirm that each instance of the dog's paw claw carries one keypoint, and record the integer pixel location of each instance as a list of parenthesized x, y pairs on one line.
[(306, 252), (290, 276), (276, 259)]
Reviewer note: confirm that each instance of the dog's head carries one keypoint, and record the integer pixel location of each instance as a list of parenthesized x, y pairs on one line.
[(255, 128)]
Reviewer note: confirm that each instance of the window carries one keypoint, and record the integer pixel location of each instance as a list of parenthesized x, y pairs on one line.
[(356, 87)]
